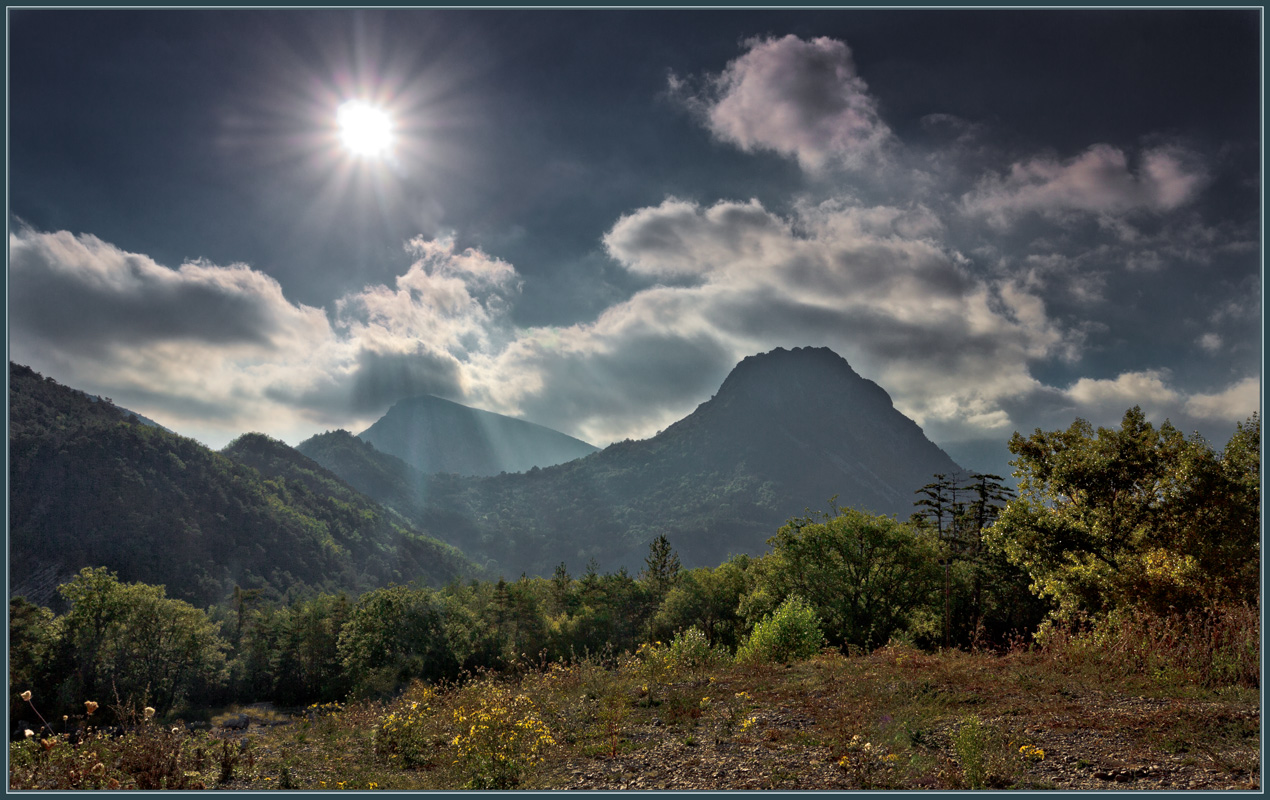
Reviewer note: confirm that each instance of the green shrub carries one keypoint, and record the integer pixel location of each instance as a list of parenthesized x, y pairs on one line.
[(989, 756), (690, 652), (790, 633)]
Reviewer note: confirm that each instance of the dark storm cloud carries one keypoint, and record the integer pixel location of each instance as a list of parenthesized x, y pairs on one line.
[(372, 384), (382, 379)]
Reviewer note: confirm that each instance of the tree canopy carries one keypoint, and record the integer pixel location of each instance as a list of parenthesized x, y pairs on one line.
[(1134, 516)]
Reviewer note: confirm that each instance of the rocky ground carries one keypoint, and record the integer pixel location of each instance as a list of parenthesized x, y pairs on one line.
[(793, 729), (1097, 743)]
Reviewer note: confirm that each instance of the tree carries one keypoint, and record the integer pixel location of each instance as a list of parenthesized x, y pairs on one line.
[(306, 665), (939, 504), (134, 641), (661, 567), (659, 575), (706, 599), (985, 599), (867, 576), (561, 588), (396, 634), (32, 639), (1134, 517)]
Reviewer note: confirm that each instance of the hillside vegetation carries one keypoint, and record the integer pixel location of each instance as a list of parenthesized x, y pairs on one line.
[(91, 486)]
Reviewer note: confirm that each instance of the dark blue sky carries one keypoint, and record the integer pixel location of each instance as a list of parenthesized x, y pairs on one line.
[(979, 209)]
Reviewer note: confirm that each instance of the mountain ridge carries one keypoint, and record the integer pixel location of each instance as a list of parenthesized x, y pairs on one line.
[(786, 431)]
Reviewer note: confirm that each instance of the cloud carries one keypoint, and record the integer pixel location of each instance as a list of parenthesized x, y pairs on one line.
[(1103, 402), (623, 376), (873, 283), (1210, 342), (1238, 401), (954, 348), (454, 301), (218, 350), (80, 292), (445, 314), (373, 381), (1098, 181), (800, 98), (677, 239), (1148, 389)]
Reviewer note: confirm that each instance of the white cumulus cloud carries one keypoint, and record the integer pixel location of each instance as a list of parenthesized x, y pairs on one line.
[(1238, 401)]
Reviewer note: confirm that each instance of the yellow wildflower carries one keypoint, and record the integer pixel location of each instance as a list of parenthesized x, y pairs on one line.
[(1031, 753)]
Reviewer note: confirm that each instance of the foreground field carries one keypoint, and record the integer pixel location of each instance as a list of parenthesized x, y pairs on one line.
[(894, 719)]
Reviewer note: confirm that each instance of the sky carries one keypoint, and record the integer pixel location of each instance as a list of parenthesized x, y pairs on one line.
[(1008, 219)]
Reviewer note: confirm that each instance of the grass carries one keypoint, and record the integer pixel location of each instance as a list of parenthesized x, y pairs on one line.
[(893, 719)]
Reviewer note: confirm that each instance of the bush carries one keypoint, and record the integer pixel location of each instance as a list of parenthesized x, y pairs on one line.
[(987, 755), (150, 756), (1212, 647), (791, 632), (690, 652), (970, 744), (405, 735), (501, 735)]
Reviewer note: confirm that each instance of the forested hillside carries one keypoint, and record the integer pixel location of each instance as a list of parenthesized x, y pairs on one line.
[(90, 486), (380, 476)]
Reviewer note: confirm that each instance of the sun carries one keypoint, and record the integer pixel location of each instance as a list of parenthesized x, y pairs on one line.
[(364, 129)]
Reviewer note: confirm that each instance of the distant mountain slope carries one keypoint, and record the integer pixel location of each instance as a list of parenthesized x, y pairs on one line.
[(786, 431), (382, 477), (396, 550), (435, 435), (89, 486)]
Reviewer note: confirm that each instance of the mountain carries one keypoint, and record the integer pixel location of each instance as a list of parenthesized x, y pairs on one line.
[(817, 428), (91, 486), (786, 431), (436, 435)]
